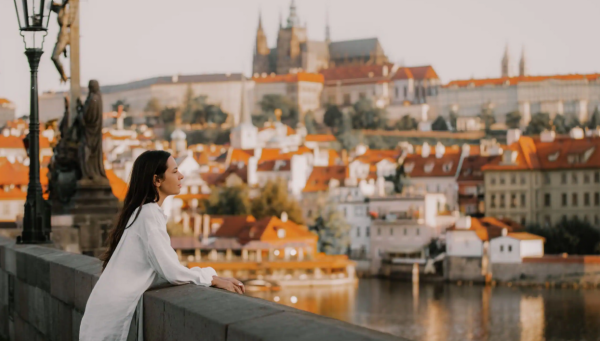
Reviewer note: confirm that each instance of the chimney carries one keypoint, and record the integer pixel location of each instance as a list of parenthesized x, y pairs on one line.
[(284, 217), (547, 136), (576, 133), (463, 223), (512, 136), (466, 150), (425, 150)]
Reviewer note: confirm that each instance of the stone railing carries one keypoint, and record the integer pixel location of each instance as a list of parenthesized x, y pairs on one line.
[(43, 292)]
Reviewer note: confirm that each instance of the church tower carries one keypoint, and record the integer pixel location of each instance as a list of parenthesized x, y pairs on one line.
[(260, 63), (507, 64), (289, 43), (327, 29), (523, 68), (245, 135)]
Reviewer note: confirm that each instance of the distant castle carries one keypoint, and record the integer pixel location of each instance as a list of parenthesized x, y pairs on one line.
[(294, 52)]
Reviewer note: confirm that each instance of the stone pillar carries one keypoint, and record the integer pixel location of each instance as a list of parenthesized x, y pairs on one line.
[(245, 254), (301, 254), (271, 255), (206, 226), (286, 254), (186, 222), (212, 255)]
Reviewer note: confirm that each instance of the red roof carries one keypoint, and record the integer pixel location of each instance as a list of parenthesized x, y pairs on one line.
[(291, 78), (519, 79), (416, 72), (320, 138), (416, 165), (319, 178)]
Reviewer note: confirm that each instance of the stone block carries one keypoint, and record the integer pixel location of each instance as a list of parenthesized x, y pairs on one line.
[(82, 284), (76, 323), (10, 260), (24, 331), (30, 264), (63, 272), (291, 326), (21, 299), (39, 309), (4, 244), (154, 327), (61, 321), (3, 305)]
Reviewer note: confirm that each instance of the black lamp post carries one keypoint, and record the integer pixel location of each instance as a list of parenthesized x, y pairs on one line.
[(33, 17)]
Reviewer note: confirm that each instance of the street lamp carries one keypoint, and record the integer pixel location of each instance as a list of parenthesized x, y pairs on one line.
[(33, 17)]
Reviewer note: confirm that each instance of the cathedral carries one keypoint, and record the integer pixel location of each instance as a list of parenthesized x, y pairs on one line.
[(295, 52)]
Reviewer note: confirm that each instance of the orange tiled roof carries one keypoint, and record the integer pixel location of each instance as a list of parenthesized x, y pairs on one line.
[(290, 130), (417, 166), (372, 156), (471, 167), (320, 138), (266, 230), (291, 78), (319, 178), (525, 236), (275, 165), (519, 79), (486, 228), (415, 72), (4, 101)]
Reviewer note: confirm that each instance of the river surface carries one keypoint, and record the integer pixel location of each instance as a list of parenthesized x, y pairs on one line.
[(447, 312)]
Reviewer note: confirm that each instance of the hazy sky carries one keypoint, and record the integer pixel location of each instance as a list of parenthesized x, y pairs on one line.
[(125, 40)]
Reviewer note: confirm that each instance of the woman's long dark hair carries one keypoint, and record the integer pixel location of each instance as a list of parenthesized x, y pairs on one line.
[(141, 191)]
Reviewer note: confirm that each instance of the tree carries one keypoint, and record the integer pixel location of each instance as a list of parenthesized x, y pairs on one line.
[(309, 122), (513, 119), (215, 115), (289, 109), (439, 124), (115, 106), (539, 122), (488, 118), (572, 122), (274, 200), (153, 106), (571, 236), (560, 124), (333, 117), (399, 178), (407, 122), (231, 200), (366, 116), (333, 231), (594, 120), (167, 114), (188, 106)]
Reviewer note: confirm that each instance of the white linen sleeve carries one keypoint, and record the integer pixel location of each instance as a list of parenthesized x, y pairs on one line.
[(164, 261)]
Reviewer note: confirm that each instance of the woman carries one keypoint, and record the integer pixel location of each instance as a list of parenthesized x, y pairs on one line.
[(139, 249)]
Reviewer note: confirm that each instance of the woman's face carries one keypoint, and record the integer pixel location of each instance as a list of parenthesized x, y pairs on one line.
[(170, 184)]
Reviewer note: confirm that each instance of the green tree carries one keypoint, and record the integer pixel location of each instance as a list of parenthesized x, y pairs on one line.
[(560, 124), (225, 200), (513, 119), (594, 120), (153, 106), (399, 178), (215, 115), (289, 109), (333, 117), (407, 122), (539, 122), (333, 231), (274, 200), (366, 116), (572, 122), (574, 236), (310, 123), (439, 124), (488, 118), (167, 114), (115, 106)]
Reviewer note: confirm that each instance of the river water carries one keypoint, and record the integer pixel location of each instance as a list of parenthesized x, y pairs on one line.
[(447, 312)]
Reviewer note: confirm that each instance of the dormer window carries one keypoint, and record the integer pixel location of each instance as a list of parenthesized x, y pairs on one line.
[(587, 154), (429, 167), (408, 167), (467, 172), (554, 156), (281, 233), (447, 167)]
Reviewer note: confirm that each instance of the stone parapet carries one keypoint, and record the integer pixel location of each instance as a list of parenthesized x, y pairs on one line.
[(43, 292)]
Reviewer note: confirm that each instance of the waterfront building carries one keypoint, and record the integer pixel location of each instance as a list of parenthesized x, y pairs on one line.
[(513, 247)]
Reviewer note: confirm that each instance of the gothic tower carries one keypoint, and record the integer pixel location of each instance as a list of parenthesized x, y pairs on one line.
[(507, 64), (289, 43), (523, 67), (260, 63), (327, 29)]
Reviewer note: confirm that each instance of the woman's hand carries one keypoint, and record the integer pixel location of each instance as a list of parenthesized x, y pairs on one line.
[(229, 284)]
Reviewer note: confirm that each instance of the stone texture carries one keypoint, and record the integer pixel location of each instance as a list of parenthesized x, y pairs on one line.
[(21, 299), (10, 260), (3, 304), (62, 273), (26, 332), (291, 326), (30, 266), (61, 321), (39, 309), (76, 323), (82, 284)]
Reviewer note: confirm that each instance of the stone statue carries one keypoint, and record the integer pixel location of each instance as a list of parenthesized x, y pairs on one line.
[(89, 122), (64, 22)]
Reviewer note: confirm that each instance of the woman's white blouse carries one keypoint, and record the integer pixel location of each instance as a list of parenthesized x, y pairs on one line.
[(143, 253)]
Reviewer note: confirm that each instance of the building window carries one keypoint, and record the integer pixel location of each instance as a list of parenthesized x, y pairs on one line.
[(501, 200), (391, 231), (563, 178), (513, 200), (574, 178), (547, 200), (523, 199), (546, 179), (501, 248), (346, 99), (597, 177), (513, 179), (405, 231), (358, 231), (547, 221), (522, 179), (368, 231), (493, 201), (596, 220), (586, 199), (397, 92), (492, 180), (418, 231), (502, 180), (586, 178), (510, 248), (379, 231), (405, 92), (574, 197), (596, 199), (523, 221), (564, 199)]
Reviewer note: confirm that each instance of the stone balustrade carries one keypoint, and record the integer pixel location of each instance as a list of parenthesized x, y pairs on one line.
[(43, 292)]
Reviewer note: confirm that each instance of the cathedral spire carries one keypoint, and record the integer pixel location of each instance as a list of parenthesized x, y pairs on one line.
[(523, 69), (280, 19), (293, 19), (260, 20), (507, 69)]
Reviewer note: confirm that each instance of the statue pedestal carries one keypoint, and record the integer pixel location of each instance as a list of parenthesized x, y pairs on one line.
[(94, 210)]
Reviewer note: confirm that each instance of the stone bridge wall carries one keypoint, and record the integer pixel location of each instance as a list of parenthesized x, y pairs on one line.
[(43, 292)]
